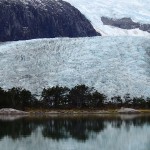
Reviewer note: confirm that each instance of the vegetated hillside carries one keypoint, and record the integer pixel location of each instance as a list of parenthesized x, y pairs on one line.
[(29, 19), (113, 65), (137, 10)]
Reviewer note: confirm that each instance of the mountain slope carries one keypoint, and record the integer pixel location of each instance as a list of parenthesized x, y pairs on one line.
[(137, 10), (29, 19), (113, 65)]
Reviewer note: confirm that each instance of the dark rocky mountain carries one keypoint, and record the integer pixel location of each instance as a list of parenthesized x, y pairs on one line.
[(29, 19), (125, 23)]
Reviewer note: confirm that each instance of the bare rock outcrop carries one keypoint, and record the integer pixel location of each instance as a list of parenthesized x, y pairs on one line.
[(125, 23), (128, 111), (10, 111), (31, 19)]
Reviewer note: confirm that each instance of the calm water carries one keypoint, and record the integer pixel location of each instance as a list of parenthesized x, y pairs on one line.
[(75, 133)]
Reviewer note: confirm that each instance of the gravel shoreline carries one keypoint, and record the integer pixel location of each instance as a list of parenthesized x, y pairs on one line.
[(10, 111)]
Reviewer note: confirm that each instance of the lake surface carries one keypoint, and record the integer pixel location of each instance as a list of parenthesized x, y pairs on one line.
[(75, 133)]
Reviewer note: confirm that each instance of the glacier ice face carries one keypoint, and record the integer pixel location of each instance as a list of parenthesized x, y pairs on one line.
[(137, 10), (113, 65)]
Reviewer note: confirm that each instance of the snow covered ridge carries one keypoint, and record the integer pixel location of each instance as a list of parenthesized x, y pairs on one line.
[(113, 65), (137, 10)]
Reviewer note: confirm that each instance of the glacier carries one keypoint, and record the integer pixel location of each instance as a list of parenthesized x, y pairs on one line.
[(113, 65), (137, 10)]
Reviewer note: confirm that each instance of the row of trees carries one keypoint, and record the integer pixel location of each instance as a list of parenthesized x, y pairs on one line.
[(80, 96), (16, 98)]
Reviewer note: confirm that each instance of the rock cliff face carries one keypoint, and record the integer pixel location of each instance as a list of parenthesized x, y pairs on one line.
[(28, 19), (125, 23)]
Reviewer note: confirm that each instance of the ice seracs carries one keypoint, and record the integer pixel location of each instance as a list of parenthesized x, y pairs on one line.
[(113, 65)]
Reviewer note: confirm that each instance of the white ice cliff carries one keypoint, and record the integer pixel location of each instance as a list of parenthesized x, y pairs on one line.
[(113, 65)]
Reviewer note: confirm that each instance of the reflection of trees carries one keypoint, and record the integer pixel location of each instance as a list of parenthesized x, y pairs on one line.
[(82, 128), (55, 129), (76, 128), (79, 128), (137, 121), (15, 129), (19, 128)]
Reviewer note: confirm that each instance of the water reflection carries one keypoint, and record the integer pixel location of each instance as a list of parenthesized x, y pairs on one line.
[(54, 128), (79, 129)]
